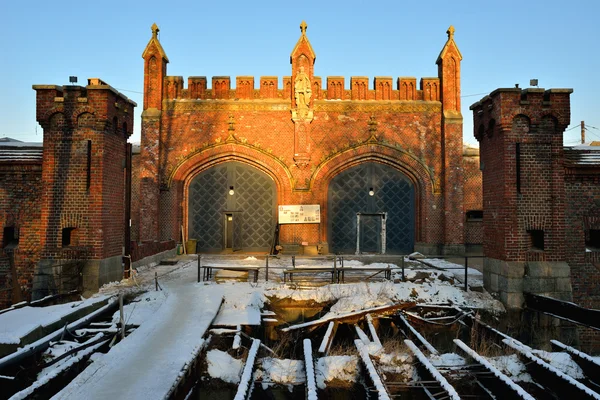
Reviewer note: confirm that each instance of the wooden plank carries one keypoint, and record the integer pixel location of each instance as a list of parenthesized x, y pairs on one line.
[(352, 317)]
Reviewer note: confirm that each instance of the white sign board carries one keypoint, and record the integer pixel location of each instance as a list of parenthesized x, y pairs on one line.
[(300, 214)]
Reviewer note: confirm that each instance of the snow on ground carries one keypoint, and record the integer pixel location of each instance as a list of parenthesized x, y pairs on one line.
[(561, 361), (512, 367), (172, 322), (394, 362), (224, 367), (426, 292), (280, 371), (20, 322), (141, 308), (242, 305), (475, 277), (342, 368), (447, 360)]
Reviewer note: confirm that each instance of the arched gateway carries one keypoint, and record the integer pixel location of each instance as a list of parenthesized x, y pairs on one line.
[(372, 210), (301, 130), (232, 206)]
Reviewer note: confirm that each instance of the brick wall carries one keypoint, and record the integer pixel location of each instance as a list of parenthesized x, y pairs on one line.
[(415, 128), (85, 131), (20, 208), (582, 214), (473, 195), (531, 195)]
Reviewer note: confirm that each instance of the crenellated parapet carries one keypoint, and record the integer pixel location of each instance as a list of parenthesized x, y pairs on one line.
[(97, 106), (499, 109), (445, 88), (361, 88)]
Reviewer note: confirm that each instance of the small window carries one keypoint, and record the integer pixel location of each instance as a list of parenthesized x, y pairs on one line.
[(10, 239), (70, 237), (475, 215), (536, 239), (592, 240)]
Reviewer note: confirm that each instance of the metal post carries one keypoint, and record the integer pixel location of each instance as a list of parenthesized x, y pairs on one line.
[(466, 273), (267, 269), (156, 281), (402, 264), (122, 318), (127, 238), (199, 265)]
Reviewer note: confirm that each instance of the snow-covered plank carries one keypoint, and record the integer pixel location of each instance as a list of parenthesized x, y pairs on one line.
[(590, 365), (237, 340), (327, 338), (310, 371), (248, 368), (25, 324), (362, 335), (164, 345), (432, 370), (373, 330), (531, 357), (43, 343), (364, 355), (350, 315), (481, 360), (421, 339), (45, 377)]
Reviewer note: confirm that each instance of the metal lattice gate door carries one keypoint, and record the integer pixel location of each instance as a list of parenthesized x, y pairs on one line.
[(252, 208), (349, 195)]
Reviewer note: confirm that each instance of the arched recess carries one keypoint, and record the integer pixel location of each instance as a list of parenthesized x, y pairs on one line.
[(422, 178), (188, 169), (385, 199), (232, 205)]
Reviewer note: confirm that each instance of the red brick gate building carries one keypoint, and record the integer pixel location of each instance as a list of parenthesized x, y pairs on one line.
[(383, 161), (219, 161)]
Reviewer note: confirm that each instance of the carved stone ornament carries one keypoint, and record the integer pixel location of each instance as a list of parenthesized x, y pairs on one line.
[(302, 94)]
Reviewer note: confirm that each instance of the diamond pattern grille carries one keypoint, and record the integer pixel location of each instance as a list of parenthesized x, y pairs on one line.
[(207, 201), (370, 233), (348, 195), (255, 197), (252, 206)]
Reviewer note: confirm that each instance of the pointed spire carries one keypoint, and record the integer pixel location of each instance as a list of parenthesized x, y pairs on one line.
[(303, 27), (303, 44), (153, 45), (450, 43)]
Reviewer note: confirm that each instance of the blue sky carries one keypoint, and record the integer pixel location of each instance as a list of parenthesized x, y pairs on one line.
[(502, 43)]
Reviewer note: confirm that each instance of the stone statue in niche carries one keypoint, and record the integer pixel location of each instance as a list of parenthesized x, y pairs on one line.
[(302, 92)]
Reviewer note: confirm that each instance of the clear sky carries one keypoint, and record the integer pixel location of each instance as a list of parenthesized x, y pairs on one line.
[(502, 43)]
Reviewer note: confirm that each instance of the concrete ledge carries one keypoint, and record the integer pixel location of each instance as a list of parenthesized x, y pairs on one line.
[(99, 272), (155, 258), (510, 279)]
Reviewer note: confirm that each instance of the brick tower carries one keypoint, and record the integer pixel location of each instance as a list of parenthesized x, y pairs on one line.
[(83, 186), (521, 145)]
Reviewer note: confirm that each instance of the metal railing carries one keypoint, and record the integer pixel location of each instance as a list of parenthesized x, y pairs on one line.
[(338, 261)]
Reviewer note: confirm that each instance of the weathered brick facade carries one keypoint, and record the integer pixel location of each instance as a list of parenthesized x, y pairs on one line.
[(541, 201), (20, 180), (83, 186), (302, 147), (582, 220), (520, 135)]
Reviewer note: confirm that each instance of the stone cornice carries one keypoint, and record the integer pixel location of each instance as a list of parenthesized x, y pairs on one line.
[(319, 105)]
